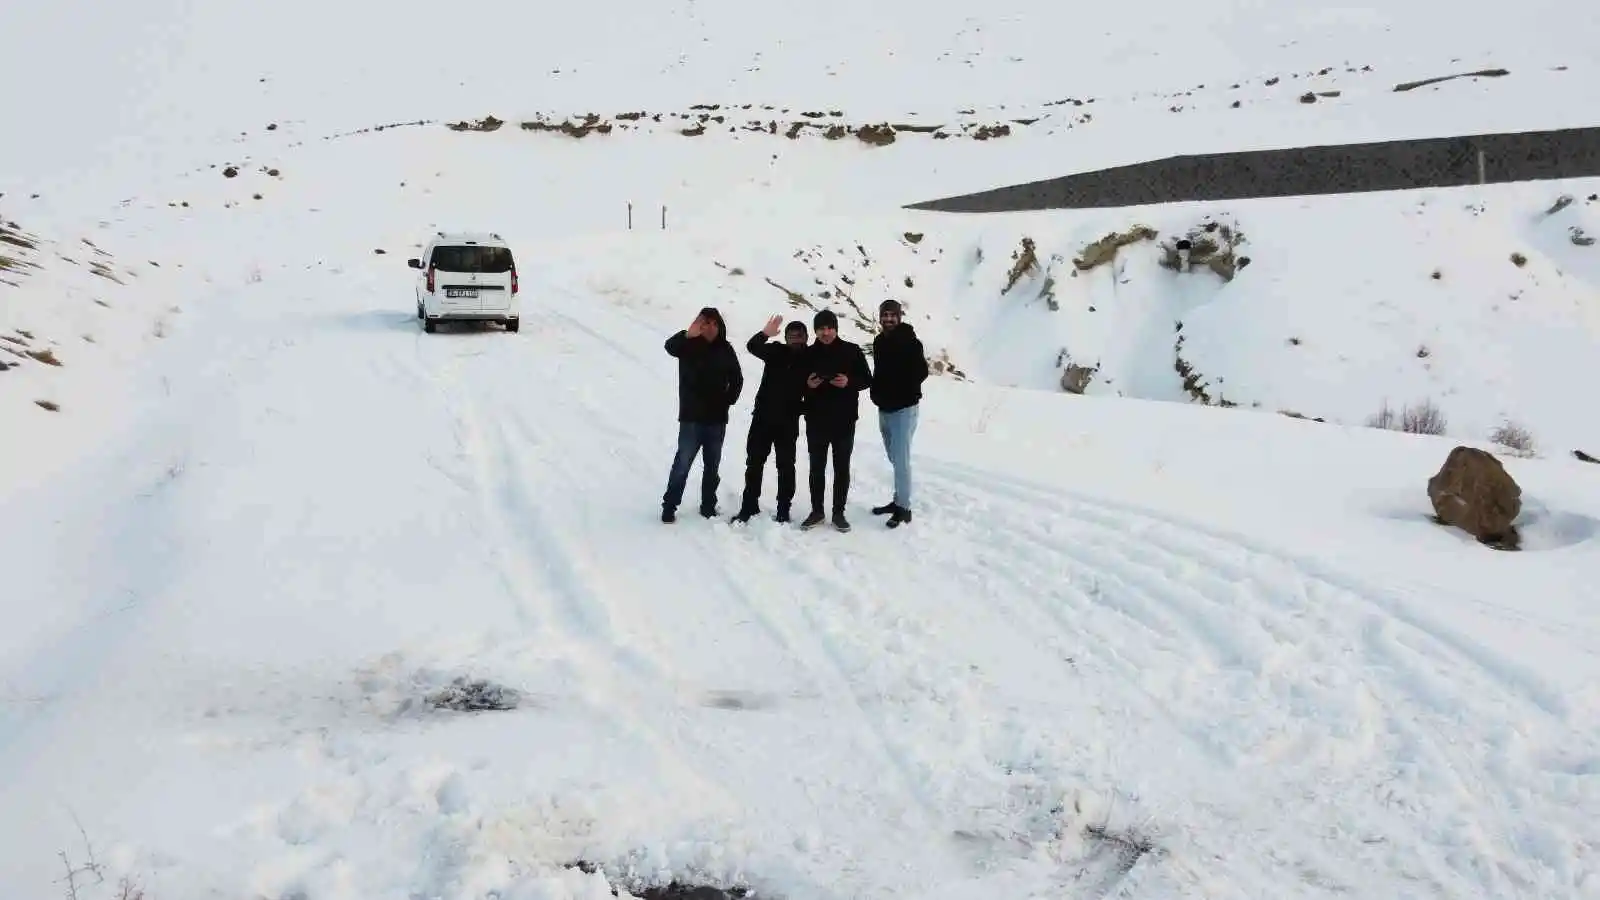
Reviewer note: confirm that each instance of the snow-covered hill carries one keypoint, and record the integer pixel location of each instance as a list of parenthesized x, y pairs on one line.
[(1133, 645)]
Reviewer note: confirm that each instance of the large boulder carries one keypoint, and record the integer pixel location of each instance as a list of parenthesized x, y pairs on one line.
[(1474, 492)]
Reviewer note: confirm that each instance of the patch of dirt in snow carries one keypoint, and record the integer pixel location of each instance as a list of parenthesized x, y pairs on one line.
[(633, 887), (465, 694)]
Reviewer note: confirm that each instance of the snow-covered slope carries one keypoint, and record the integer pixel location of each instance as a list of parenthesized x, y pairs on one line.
[(76, 312), (1128, 648), (1109, 617)]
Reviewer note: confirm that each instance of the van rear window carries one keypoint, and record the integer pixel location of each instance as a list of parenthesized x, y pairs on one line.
[(490, 260)]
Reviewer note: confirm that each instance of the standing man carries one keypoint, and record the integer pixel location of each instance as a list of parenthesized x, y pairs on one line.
[(775, 421), (900, 369), (709, 382), (836, 374)]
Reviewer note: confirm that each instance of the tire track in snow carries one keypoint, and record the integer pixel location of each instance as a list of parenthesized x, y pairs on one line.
[(818, 658), (560, 605), (823, 645), (1407, 768), (1008, 748), (571, 408), (820, 655), (530, 535), (626, 351), (539, 564), (703, 544), (485, 479), (1175, 531), (848, 642), (1151, 698), (1194, 551), (988, 765), (1168, 634)]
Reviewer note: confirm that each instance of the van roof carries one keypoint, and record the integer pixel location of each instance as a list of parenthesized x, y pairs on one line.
[(486, 238)]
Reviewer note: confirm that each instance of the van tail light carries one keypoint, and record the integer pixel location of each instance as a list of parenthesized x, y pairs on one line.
[(430, 279), (514, 284)]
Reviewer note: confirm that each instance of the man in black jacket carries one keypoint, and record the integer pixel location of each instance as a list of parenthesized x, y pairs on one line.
[(709, 382), (900, 368), (836, 374), (775, 421)]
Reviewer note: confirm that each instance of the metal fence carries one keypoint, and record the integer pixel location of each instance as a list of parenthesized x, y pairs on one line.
[(1300, 171)]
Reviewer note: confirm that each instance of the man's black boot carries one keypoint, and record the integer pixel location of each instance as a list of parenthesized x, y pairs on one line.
[(812, 520)]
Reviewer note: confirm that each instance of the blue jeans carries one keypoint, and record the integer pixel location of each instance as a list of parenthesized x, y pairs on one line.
[(897, 428), (693, 438)]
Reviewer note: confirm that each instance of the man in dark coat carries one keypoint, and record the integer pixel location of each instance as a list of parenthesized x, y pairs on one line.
[(709, 382), (899, 369), (836, 374), (775, 421)]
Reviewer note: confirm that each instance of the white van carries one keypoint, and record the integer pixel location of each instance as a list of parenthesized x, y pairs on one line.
[(467, 277)]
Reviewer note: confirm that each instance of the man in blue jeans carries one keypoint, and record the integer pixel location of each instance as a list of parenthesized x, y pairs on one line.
[(899, 369), (709, 382)]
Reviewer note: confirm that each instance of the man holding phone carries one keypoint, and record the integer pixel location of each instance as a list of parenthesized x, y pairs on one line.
[(837, 373)]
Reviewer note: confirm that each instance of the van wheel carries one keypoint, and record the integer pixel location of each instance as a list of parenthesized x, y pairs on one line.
[(419, 310), (430, 326), (513, 325)]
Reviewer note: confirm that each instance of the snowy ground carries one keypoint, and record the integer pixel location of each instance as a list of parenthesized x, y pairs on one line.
[(268, 516)]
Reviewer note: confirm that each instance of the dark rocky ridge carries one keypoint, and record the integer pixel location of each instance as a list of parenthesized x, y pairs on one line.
[(1303, 171)]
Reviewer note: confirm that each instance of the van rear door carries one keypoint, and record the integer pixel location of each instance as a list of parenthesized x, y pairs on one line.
[(472, 278)]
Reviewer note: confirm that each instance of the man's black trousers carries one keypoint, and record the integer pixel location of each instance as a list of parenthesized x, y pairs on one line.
[(775, 435), (825, 437)]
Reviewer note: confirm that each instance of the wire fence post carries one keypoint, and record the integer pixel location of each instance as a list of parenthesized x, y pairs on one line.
[(630, 215)]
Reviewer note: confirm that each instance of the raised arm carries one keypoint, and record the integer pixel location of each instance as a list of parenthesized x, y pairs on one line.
[(762, 348), (676, 344)]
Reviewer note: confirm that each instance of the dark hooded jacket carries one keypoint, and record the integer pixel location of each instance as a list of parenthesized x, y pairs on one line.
[(709, 377), (826, 403), (783, 379), (899, 368)]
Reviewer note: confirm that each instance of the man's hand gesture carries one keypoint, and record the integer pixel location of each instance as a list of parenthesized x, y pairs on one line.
[(839, 380), (813, 380), (773, 324), (694, 327)]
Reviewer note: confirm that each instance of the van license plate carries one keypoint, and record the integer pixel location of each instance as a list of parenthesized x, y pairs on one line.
[(461, 292)]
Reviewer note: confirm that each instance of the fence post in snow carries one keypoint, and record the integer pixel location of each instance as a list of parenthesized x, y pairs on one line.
[(1480, 167), (663, 217), (630, 215)]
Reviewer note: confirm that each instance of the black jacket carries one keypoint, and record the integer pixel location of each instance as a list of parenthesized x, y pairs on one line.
[(783, 379), (709, 377), (826, 403), (899, 368)]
